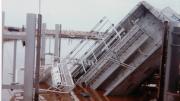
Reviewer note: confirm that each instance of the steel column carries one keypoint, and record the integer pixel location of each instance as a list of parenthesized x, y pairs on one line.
[(43, 44), (29, 56), (3, 22), (163, 61), (14, 61), (56, 45), (38, 57), (172, 73), (60, 40)]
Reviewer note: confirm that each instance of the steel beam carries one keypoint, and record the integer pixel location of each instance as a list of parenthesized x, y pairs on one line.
[(29, 56), (14, 36), (4, 86)]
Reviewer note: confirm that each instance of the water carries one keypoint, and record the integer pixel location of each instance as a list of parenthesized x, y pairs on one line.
[(66, 46)]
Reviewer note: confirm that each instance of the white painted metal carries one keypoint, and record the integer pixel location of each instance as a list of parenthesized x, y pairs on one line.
[(29, 57), (114, 67), (56, 45), (14, 36), (43, 44), (91, 50), (130, 51), (104, 44), (140, 32), (81, 45), (61, 78), (125, 73), (103, 61), (60, 32), (15, 86), (29, 38), (3, 23), (14, 62)]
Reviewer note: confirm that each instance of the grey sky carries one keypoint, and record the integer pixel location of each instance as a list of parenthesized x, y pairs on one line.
[(76, 14)]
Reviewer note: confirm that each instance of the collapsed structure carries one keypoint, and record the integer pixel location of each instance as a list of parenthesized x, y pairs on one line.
[(123, 62), (123, 57), (128, 55)]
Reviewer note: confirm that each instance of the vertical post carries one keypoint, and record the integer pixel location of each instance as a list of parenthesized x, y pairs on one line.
[(60, 40), (43, 44), (14, 62), (163, 61), (56, 45), (172, 73), (29, 56), (3, 22), (38, 56)]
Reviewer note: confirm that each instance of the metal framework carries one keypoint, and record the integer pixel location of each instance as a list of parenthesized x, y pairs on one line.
[(114, 63), (123, 53), (29, 39), (60, 74), (61, 78), (56, 74)]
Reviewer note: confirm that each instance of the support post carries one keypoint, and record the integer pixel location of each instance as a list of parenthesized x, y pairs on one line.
[(29, 56), (14, 62), (3, 22), (172, 72), (56, 45), (60, 40), (43, 44), (163, 61), (38, 56)]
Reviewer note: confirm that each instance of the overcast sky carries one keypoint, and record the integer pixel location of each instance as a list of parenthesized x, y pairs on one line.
[(76, 14)]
